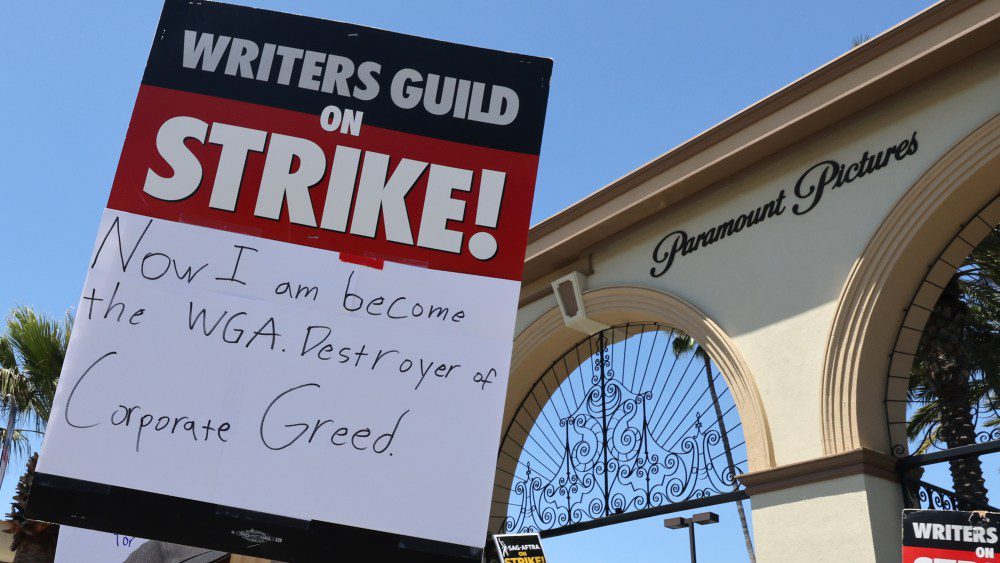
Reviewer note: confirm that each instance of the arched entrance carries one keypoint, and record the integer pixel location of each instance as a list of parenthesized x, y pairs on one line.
[(924, 310), (622, 424), (633, 419), (942, 408), (892, 295), (928, 222)]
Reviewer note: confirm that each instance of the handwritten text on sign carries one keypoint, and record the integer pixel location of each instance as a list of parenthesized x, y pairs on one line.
[(244, 358)]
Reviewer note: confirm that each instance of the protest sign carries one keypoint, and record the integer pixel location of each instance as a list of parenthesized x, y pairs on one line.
[(77, 545), (519, 548), (297, 319), (931, 536)]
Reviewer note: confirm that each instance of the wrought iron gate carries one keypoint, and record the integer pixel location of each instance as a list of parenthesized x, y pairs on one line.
[(633, 421)]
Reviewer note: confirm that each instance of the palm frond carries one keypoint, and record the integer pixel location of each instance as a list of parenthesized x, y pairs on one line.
[(682, 343), (19, 443), (7, 358), (39, 344), (32, 351), (923, 419)]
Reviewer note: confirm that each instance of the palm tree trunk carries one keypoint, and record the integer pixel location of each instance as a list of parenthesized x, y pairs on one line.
[(948, 364), (33, 541), (729, 453), (958, 429), (35, 553)]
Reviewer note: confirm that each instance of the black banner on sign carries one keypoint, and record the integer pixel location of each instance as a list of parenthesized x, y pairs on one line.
[(519, 548), (930, 536), (410, 84), (170, 519)]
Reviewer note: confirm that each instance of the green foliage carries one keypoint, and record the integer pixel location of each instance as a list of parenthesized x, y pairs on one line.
[(958, 358), (32, 350), (683, 343)]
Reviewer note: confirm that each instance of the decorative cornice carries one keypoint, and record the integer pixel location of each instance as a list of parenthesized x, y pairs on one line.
[(855, 462)]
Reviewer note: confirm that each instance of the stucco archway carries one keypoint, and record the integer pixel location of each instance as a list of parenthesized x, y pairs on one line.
[(546, 339), (925, 224)]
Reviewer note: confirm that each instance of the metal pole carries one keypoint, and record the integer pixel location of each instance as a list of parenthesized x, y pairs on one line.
[(680, 522), (694, 553)]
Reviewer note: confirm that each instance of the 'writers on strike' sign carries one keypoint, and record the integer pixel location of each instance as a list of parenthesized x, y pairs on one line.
[(519, 548), (934, 536), (307, 272)]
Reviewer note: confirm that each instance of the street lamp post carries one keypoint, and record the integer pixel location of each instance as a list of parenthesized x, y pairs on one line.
[(701, 518)]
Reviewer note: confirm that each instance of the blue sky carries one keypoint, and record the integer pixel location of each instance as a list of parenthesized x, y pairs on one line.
[(631, 80)]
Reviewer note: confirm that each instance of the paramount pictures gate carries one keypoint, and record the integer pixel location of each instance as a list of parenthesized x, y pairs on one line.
[(802, 244), (633, 421), (848, 199)]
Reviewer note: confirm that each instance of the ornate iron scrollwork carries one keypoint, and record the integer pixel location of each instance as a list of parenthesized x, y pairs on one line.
[(622, 432), (921, 494)]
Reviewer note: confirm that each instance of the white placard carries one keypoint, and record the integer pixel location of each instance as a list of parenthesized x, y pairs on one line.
[(288, 378), (77, 545), (302, 295)]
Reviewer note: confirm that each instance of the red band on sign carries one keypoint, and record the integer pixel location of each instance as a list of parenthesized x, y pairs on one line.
[(451, 206), (911, 554), (371, 262)]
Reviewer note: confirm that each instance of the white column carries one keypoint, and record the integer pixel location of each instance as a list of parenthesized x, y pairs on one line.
[(841, 508)]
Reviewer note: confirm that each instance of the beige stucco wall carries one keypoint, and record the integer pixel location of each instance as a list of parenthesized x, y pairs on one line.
[(854, 518), (773, 288)]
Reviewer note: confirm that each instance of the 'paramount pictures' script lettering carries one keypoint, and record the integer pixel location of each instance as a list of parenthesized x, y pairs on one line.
[(809, 190)]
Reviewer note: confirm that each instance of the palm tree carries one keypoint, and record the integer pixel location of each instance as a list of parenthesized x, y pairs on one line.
[(32, 350), (682, 344), (859, 40), (956, 370)]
